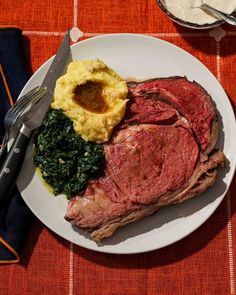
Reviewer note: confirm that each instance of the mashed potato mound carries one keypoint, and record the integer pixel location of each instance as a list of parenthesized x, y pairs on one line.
[(93, 96)]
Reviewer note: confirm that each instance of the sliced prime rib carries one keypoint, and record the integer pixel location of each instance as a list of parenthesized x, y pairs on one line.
[(189, 98), (162, 153)]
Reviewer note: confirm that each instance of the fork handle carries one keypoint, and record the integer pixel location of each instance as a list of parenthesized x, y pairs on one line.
[(11, 166)]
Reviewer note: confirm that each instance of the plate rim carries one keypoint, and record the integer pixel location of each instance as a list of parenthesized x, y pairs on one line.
[(229, 107)]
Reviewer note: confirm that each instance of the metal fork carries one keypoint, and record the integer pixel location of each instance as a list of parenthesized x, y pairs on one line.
[(16, 111)]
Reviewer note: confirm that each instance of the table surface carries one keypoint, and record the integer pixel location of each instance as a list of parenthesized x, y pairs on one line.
[(203, 262)]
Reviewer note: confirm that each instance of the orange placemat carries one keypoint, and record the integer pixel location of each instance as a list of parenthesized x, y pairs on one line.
[(202, 263)]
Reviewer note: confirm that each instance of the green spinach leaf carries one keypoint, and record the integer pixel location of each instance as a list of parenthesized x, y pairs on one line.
[(65, 159)]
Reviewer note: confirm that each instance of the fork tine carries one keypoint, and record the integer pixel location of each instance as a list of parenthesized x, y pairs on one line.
[(14, 113), (24, 99), (37, 95), (28, 94), (28, 99)]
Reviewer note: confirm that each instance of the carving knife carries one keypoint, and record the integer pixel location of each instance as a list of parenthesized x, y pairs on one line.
[(32, 120)]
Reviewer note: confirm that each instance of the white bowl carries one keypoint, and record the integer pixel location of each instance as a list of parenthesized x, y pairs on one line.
[(183, 23)]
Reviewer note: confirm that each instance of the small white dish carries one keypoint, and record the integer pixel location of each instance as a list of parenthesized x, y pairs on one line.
[(183, 23)]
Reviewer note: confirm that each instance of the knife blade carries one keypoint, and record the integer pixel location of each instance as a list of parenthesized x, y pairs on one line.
[(32, 120)]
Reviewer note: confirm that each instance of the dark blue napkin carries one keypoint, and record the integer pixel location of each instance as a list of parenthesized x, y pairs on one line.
[(15, 216)]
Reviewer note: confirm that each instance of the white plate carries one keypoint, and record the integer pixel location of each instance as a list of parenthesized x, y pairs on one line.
[(140, 57)]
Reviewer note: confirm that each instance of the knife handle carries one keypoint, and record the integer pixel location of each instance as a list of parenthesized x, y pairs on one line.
[(3, 153), (11, 166)]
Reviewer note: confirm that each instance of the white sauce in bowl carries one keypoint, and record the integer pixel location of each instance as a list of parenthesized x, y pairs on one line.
[(187, 10)]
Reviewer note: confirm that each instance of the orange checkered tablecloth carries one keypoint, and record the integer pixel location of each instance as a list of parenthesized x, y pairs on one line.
[(203, 262)]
